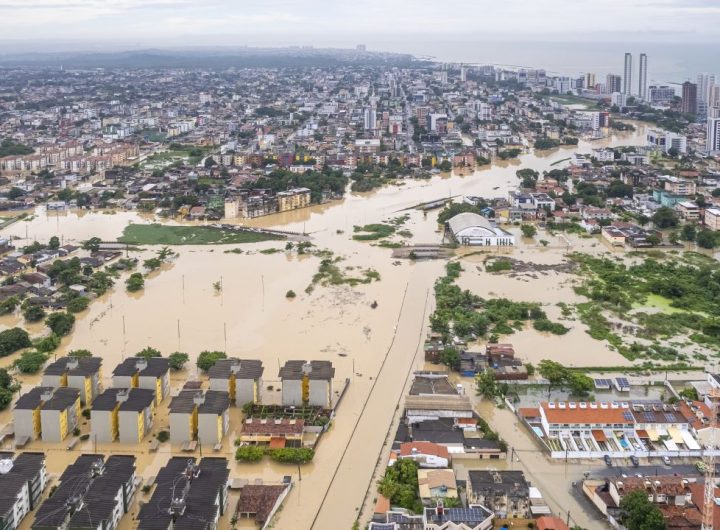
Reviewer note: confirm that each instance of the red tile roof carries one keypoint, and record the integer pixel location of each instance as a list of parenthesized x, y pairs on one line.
[(549, 522), (424, 448)]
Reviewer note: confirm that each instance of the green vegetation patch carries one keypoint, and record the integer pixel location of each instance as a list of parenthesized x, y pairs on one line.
[(373, 232), (157, 234)]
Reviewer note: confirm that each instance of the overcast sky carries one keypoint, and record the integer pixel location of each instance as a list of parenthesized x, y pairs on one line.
[(345, 22)]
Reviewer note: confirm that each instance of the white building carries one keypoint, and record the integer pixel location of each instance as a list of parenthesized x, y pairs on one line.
[(471, 229), (619, 99), (667, 140), (713, 131)]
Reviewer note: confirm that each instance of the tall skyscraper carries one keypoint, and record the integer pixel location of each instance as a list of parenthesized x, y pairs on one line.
[(689, 97), (590, 82), (613, 83), (627, 77), (713, 131), (705, 93), (642, 81)]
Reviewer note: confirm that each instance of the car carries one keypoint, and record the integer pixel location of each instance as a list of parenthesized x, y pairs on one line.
[(607, 460), (666, 460), (634, 460)]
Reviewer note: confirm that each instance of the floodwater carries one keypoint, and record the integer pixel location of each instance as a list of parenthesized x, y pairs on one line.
[(179, 310)]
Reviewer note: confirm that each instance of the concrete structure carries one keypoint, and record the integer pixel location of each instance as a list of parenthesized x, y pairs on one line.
[(642, 78), (240, 378), (505, 493), (200, 494), (93, 493), (661, 94), (426, 454), (471, 229), (613, 84), (712, 144), (627, 74), (276, 432), (666, 140), (307, 383), (705, 88), (46, 413), (436, 485), (22, 482), (195, 415), (84, 374), (124, 414), (712, 218), (150, 374), (293, 199), (689, 98)]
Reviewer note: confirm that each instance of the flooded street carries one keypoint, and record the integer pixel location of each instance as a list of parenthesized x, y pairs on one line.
[(180, 310)]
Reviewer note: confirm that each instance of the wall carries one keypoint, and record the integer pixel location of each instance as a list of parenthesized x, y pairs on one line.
[(100, 426), (50, 421), (180, 428), (24, 424), (292, 392), (128, 422)]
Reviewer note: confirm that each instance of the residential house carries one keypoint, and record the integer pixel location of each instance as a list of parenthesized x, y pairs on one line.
[(474, 517), (505, 493), (22, 482), (198, 415), (436, 485), (124, 414), (426, 454), (273, 432), (307, 383), (82, 373), (240, 378), (195, 495), (151, 374), (93, 493), (47, 413)]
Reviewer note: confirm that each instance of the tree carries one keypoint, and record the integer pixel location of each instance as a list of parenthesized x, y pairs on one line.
[(580, 384), (249, 453), (638, 513), (152, 263), (486, 384), (135, 282), (207, 359), (148, 352), (54, 243), (653, 239), (60, 323), (177, 360), (12, 340), (33, 313), (450, 357), (9, 305), (528, 230), (664, 217), (553, 371), (78, 304), (92, 244), (706, 239), (688, 232)]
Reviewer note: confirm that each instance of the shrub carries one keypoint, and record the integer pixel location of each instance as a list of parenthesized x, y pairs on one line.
[(148, 352), (543, 324), (290, 294), (163, 436), (528, 230), (498, 265), (207, 359), (249, 453), (80, 353), (30, 362), (177, 360), (47, 344), (135, 282), (84, 437), (292, 455)]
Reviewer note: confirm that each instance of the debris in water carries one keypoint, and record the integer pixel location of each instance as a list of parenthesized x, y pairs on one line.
[(374, 304)]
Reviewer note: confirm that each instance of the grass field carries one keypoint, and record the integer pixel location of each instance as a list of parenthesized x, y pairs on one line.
[(157, 234)]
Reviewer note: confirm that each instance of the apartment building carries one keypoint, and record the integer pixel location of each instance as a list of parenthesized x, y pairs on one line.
[(83, 374)]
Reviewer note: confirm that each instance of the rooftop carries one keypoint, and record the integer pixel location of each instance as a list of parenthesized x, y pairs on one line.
[(84, 366), (137, 399), (318, 370), (152, 367), (242, 368)]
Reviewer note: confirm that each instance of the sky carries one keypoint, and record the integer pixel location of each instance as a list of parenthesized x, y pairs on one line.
[(38, 24)]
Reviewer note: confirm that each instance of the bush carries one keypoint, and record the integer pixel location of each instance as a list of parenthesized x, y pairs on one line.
[(207, 359), (249, 453), (290, 294), (135, 282), (80, 353), (84, 437), (148, 352), (498, 265), (30, 362), (177, 360), (47, 344), (60, 323), (76, 431), (163, 436), (33, 313), (292, 455), (543, 324), (528, 230), (78, 304), (12, 340)]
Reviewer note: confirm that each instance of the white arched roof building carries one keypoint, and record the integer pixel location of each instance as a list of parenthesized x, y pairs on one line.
[(472, 229)]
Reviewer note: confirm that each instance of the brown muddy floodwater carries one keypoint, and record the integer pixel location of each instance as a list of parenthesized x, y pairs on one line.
[(179, 310)]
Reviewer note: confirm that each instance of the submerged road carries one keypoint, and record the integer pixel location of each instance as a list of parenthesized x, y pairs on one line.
[(346, 492)]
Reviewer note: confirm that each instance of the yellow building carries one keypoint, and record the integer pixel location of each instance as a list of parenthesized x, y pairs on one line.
[(293, 199)]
